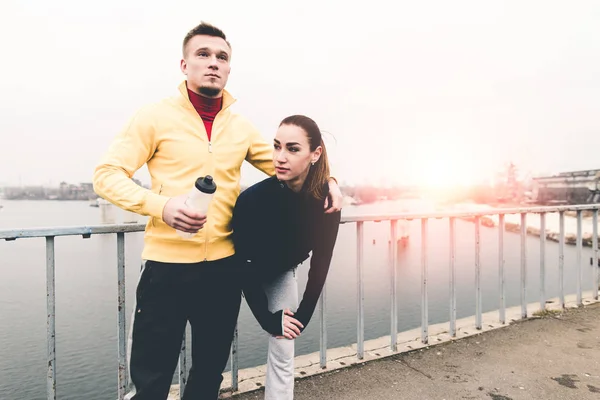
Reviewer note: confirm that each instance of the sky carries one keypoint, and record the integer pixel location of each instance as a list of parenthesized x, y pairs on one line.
[(407, 92)]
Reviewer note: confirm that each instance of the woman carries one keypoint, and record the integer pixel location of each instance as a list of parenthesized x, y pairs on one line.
[(276, 224)]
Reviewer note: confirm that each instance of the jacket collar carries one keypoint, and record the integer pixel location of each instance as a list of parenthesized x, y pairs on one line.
[(285, 188), (184, 99)]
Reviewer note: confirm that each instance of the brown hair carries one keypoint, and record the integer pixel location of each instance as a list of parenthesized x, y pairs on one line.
[(204, 29), (318, 174)]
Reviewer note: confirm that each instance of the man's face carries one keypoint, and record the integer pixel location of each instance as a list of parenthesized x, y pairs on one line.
[(206, 65)]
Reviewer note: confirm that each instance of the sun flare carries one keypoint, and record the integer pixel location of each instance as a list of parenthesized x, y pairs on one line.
[(442, 170)]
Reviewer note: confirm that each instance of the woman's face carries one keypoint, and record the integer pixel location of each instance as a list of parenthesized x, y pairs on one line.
[(292, 157)]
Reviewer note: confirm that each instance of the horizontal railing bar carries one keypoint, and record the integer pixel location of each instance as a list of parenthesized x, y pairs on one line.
[(70, 231), (9, 234), (464, 214)]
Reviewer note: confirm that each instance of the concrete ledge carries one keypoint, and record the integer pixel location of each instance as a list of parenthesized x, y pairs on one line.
[(251, 379)]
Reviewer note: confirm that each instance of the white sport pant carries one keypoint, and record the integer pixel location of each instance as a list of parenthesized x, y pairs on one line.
[(282, 293)]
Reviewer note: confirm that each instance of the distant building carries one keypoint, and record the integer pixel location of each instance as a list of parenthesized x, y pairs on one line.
[(576, 187), (25, 193), (65, 191)]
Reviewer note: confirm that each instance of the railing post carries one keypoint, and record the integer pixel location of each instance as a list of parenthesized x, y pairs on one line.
[(501, 281), (183, 364), (360, 292), (121, 341), (523, 265), (579, 253), (595, 266), (424, 305), (478, 322), (50, 322), (542, 261), (452, 276), (561, 260), (234, 361), (393, 285), (323, 326)]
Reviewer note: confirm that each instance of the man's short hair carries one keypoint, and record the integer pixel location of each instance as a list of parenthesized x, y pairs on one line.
[(204, 29)]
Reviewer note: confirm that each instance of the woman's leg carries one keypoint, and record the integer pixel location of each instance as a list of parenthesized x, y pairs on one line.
[(282, 293)]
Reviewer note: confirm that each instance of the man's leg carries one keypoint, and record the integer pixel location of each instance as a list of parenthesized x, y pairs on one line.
[(282, 293), (158, 325), (215, 298)]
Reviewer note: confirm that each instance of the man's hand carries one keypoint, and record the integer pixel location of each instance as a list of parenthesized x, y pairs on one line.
[(178, 215), (337, 198), (290, 326)]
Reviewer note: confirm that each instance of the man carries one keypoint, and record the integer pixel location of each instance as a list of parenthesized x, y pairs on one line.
[(181, 138)]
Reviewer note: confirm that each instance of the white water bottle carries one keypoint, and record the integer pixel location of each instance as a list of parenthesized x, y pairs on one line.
[(199, 198)]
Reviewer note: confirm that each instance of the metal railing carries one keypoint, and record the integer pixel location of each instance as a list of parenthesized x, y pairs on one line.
[(120, 230)]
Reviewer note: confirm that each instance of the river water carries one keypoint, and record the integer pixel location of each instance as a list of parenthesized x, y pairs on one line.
[(86, 291)]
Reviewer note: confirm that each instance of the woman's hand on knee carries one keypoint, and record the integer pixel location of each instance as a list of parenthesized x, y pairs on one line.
[(291, 326)]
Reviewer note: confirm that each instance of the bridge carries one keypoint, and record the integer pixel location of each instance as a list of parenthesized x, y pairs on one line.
[(432, 354)]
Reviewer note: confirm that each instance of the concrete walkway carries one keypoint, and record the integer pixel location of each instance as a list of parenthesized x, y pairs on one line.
[(554, 357)]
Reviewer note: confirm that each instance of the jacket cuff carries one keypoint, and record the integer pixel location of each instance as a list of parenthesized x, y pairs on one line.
[(276, 326)]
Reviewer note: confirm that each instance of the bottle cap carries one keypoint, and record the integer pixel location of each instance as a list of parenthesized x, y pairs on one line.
[(206, 184)]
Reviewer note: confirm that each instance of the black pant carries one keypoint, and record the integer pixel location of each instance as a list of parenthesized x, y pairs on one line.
[(207, 295)]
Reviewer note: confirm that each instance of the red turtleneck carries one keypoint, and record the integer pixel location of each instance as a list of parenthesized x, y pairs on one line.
[(206, 108)]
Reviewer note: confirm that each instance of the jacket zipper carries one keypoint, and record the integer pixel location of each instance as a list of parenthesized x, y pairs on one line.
[(206, 227)]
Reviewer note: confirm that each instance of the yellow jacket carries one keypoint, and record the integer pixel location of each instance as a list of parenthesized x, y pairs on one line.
[(170, 138)]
